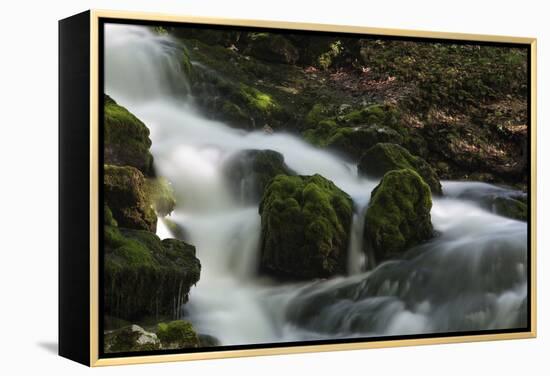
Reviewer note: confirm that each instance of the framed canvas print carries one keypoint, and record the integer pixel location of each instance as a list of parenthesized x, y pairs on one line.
[(236, 188)]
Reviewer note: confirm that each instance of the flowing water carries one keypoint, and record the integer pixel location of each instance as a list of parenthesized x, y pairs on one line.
[(472, 276)]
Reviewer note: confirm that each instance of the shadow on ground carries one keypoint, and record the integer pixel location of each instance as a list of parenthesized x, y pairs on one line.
[(50, 347)]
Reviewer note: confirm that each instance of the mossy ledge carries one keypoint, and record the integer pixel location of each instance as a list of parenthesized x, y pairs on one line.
[(126, 138), (305, 227), (398, 215), (146, 277)]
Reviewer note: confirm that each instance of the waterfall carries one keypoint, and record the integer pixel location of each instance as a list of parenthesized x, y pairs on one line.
[(472, 276)]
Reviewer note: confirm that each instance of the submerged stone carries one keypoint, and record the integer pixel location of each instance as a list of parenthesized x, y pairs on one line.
[(510, 208), (249, 172)]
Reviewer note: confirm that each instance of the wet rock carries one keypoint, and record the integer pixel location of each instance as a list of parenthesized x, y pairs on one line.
[(510, 208), (250, 171), (126, 138), (207, 340), (272, 48), (130, 338), (503, 201), (398, 215), (127, 198), (178, 334), (146, 277), (305, 227), (161, 194), (384, 157)]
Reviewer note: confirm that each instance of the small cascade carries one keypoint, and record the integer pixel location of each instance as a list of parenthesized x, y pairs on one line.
[(471, 276)]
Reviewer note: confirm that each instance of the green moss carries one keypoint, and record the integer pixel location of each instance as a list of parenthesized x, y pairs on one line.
[(257, 100), (317, 113), (325, 60), (384, 157), (161, 194), (398, 215), (376, 114), (144, 276), (185, 63), (177, 334), (511, 208), (127, 198), (108, 218), (126, 138), (160, 30), (305, 227), (356, 131)]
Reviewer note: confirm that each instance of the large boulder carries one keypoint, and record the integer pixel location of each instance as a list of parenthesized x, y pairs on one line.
[(272, 48), (145, 277), (398, 215), (178, 334), (130, 338), (384, 157), (249, 172), (126, 138), (305, 227), (127, 197)]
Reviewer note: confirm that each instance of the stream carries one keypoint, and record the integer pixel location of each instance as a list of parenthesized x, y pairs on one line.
[(472, 276)]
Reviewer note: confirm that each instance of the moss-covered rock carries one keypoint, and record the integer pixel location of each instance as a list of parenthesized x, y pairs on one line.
[(144, 276), (178, 334), (126, 196), (353, 142), (398, 215), (384, 157), (250, 171), (355, 131), (510, 208), (126, 138), (130, 338), (161, 194), (305, 227), (272, 47)]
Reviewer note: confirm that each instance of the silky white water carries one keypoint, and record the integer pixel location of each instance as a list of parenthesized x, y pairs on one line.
[(471, 277)]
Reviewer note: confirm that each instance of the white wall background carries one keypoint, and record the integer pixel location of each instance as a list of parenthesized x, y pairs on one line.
[(28, 147)]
